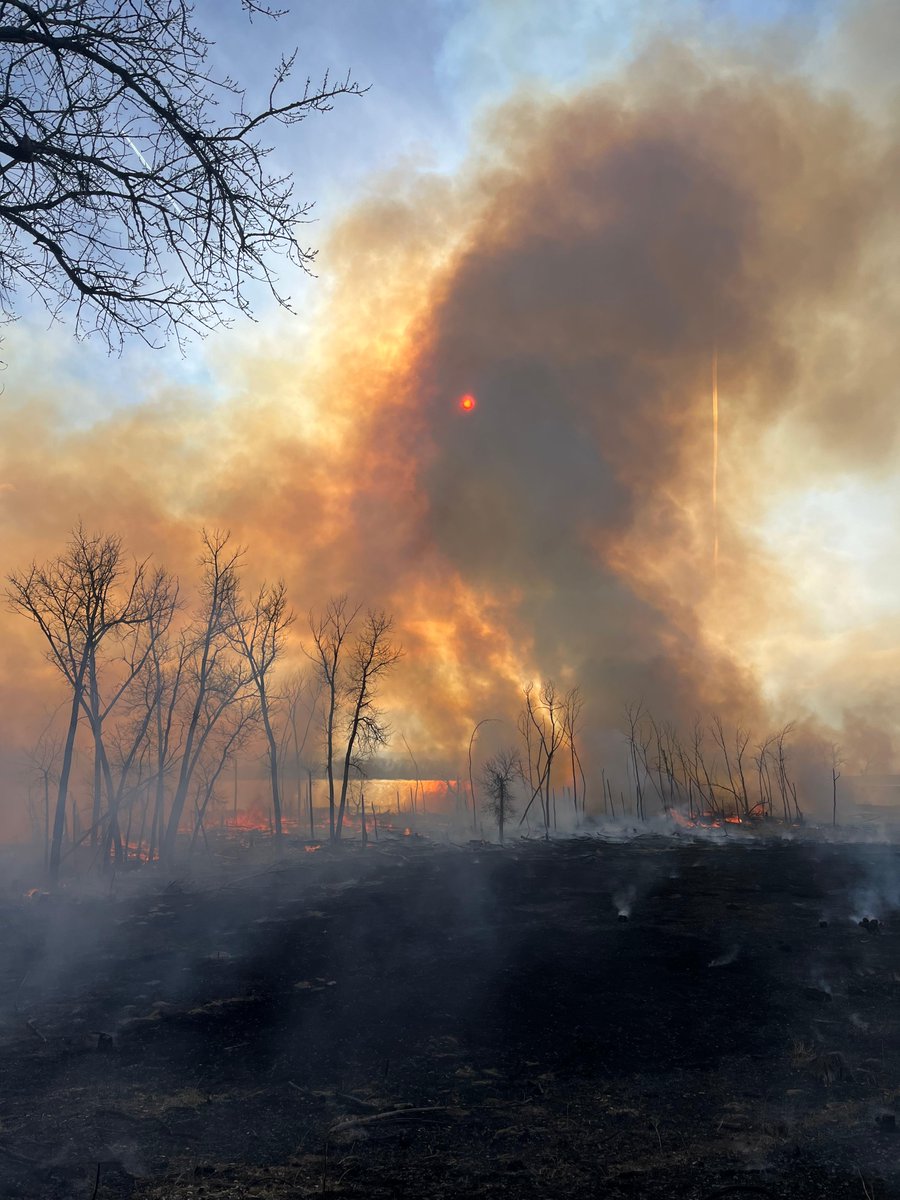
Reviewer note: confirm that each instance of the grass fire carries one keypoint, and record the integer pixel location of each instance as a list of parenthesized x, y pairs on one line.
[(450, 742)]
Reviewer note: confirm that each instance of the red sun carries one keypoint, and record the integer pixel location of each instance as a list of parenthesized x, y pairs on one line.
[(468, 403)]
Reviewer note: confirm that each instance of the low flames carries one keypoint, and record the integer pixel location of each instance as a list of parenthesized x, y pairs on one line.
[(711, 820)]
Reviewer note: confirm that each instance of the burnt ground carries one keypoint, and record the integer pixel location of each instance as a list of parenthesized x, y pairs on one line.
[(419, 1021)]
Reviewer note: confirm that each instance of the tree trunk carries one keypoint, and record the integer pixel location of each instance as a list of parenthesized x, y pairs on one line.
[(95, 730), (59, 820), (273, 765), (329, 757), (348, 757), (46, 819)]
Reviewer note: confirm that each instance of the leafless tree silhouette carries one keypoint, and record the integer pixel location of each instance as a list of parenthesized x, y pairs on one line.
[(329, 632), (352, 656), (212, 677), (258, 631), (77, 600), (372, 656), (498, 775), (126, 192)]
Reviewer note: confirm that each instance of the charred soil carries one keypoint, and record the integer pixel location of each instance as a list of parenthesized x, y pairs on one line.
[(669, 1018)]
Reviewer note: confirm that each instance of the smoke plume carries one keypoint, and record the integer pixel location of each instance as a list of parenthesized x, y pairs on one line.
[(576, 277)]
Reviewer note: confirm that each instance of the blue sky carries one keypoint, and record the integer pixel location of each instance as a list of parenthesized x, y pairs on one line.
[(432, 66)]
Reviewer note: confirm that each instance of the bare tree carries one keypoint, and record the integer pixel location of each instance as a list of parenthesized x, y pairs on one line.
[(634, 714), (372, 656), (483, 721), (76, 600), (329, 633), (168, 662), (212, 677), (135, 683), (546, 716), (231, 732), (498, 775), (786, 786), (836, 761), (762, 759), (258, 631), (122, 191), (571, 716), (301, 694), (43, 758)]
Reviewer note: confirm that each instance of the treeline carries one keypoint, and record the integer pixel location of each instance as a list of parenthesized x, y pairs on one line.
[(169, 695), (713, 772)]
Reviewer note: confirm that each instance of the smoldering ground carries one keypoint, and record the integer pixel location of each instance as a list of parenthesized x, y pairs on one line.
[(433, 1020)]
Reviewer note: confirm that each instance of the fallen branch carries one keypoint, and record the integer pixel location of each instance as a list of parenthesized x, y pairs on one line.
[(351, 1122)]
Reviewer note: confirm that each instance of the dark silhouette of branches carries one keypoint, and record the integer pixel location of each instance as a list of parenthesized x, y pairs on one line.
[(77, 600), (258, 630), (352, 659), (498, 775), (211, 677), (329, 633), (371, 657), (133, 182), (545, 723)]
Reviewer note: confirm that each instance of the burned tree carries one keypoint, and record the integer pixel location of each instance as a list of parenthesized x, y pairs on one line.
[(543, 723), (167, 666), (258, 633), (498, 776), (372, 656), (230, 734), (351, 666), (329, 633), (77, 600), (634, 715), (483, 721), (302, 692), (134, 686), (211, 677), (43, 757), (122, 192), (836, 761), (571, 716)]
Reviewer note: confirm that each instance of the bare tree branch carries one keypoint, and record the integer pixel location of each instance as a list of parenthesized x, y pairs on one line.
[(123, 193)]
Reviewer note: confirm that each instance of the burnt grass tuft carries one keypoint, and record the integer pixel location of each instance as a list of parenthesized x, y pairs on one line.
[(423, 1021)]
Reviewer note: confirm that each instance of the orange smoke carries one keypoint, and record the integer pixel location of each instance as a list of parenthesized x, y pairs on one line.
[(566, 279), (715, 459)]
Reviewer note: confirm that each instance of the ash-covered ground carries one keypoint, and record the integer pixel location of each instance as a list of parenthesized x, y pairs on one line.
[(414, 1020)]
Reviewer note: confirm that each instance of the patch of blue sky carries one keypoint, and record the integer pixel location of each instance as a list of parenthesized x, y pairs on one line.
[(493, 45), (431, 66)]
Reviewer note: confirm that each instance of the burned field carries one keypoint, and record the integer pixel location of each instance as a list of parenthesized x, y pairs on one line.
[(416, 1020)]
